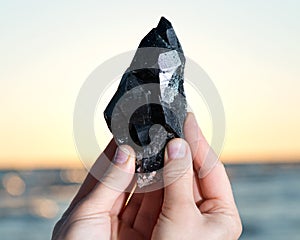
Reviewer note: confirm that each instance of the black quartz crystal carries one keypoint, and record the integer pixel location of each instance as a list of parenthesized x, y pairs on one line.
[(149, 106)]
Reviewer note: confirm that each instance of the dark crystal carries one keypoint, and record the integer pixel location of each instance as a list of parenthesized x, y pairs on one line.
[(149, 106)]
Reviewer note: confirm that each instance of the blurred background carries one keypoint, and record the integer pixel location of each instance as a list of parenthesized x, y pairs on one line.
[(250, 50)]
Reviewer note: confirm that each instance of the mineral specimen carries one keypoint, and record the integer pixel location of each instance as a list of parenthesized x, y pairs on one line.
[(149, 106)]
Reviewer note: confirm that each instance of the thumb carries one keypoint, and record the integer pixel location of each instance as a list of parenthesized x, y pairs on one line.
[(113, 183), (178, 173)]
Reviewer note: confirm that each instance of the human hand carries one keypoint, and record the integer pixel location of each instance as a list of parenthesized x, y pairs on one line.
[(188, 208), (193, 207)]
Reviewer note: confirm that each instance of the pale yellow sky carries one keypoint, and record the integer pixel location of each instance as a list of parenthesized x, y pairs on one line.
[(249, 49)]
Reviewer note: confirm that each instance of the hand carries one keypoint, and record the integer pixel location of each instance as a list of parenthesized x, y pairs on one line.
[(196, 208), (189, 208)]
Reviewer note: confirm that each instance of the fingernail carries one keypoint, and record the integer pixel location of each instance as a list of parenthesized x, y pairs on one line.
[(121, 155), (176, 149)]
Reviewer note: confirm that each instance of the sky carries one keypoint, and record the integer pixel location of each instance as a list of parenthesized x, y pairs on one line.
[(250, 50)]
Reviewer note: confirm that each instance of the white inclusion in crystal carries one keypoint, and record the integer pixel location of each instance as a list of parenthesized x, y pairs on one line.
[(146, 179), (168, 62)]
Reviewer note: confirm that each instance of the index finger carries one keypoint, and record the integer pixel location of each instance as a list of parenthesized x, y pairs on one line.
[(213, 179), (97, 170), (88, 184)]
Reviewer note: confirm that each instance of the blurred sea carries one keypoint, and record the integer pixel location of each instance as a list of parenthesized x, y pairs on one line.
[(267, 195)]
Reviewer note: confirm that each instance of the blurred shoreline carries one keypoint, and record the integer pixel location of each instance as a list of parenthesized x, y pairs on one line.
[(267, 195)]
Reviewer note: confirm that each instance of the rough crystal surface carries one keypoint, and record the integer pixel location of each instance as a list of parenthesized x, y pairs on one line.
[(149, 106)]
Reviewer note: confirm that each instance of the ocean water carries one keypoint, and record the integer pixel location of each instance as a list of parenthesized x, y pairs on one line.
[(267, 195), (268, 199)]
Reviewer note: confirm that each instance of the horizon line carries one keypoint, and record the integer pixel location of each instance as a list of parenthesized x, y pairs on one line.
[(80, 165)]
